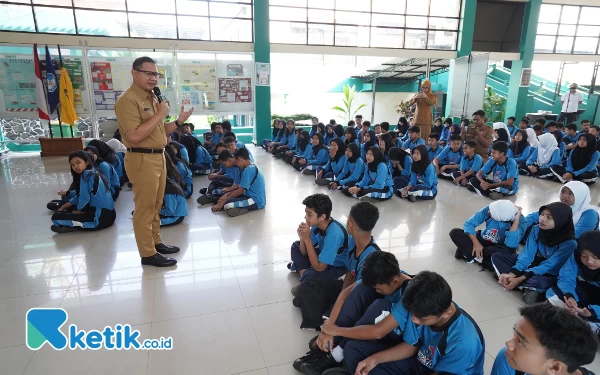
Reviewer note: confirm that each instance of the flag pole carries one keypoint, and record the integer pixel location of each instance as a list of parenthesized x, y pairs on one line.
[(57, 111), (38, 73)]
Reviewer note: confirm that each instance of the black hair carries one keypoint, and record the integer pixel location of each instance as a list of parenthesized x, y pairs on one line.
[(434, 136), (428, 294), (351, 123), (550, 124), (465, 121), (86, 157), (191, 144), (332, 122), (502, 135), (320, 203), (379, 267), (538, 128), (564, 336), (438, 119), (541, 121), (176, 147), (242, 153), (172, 172), (376, 125), (414, 129), (471, 144), (137, 63), (226, 125), (94, 151), (289, 132), (448, 121), (213, 126), (315, 118), (480, 112), (304, 140), (220, 144), (106, 152), (500, 146), (387, 141), (397, 154), (560, 125), (227, 140), (385, 126), (225, 155), (455, 137), (368, 123), (232, 134), (571, 127), (365, 215), (525, 120), (339, 130), (595, 127), (355, 152), (358, 116), (327, 127), (585, 122), (512, 118), (321, 128)]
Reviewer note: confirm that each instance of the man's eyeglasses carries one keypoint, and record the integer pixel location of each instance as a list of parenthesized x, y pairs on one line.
[(148, 73)]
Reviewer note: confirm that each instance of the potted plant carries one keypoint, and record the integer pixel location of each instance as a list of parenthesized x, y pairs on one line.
[(348, 112)]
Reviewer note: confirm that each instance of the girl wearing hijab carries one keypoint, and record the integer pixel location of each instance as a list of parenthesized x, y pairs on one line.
[(504, 227), (352, 171), (423, 177), (350, 137), (501, 135), (288, 142), (329, 134), (304, 150), (376, 184), (338, 129), (291, 152), (275, 137), (318, 157), (369, 140), (400, 163), (582, 162), (561, 144), (110, 156), (447, 131), (578, 287), (386, 142), (501, 125), (519, 149), (200, 159), (107, 170), (402, 128), (279, 137), (335, 164), (437, 126), (545, 156), (548, 247)]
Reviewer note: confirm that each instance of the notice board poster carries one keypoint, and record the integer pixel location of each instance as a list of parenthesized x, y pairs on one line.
[(75, 70), (102, 76), (17, 83), (235, 90), (235, 70)]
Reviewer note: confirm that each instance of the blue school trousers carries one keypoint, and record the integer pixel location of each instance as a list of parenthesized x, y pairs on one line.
[(503, 262), (301, 262), (216, 187), (92, 218), (356, 351), (242, 201), (200, 169)]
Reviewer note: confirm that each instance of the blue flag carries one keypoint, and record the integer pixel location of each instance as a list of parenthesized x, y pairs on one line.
[(52, 83)]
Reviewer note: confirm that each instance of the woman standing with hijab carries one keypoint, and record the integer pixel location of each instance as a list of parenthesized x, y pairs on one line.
[(423, 177), (582, 162), (545, 156), (423, 115), (548, 247)]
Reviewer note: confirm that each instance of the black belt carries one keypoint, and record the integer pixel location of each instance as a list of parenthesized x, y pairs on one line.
[(146, 150)]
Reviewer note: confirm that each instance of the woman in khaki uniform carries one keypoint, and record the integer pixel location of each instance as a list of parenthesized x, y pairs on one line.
[(423, 115)]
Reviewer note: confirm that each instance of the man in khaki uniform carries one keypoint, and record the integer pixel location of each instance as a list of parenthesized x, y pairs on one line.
[(140, 117), (480, 133)]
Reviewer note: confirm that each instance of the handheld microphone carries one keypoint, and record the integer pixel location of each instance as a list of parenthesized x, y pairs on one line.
[(156, 91)]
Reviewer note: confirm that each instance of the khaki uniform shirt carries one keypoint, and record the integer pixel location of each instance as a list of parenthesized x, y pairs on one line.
[(471, 135), (134, 107)]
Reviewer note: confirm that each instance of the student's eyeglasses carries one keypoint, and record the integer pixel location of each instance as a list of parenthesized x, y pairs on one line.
[(148, 73)]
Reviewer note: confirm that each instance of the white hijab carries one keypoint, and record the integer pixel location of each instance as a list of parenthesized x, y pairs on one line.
[(547, 147), (501, 125), (581, 192), (116, 145), (532, 138), (503, 210)]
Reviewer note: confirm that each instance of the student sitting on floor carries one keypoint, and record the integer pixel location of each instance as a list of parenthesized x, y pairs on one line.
[(547, 341), (184, 172), (322, 242), (423, 179), (547, 248), (500, 135), (278, 130), (250, 194), (414, 139), (226, 180), (182, 153), (560, 144), (318, 157), (361, 131), (504, 228), (524, 123), (440, 337), (582, 162), (538, 129), (288, 142), (433, 146), (119, 149), (233, 145), (174, 208), (239, 144), (376, 184), (498, 177), (437, 127), (543, 157), (338, 129), (107, 171), (369, 140), (402, 128), (299, 160), (446, 132), (108, 155), (215, 139), (350, 137), (329, 134), (334, 166), (511, 127), (470, 164), (385, 143), (92, 206), (448, 161), (519, 149), (571, 137), (302, 140), (200, 159), (401, 164), (352, 171)]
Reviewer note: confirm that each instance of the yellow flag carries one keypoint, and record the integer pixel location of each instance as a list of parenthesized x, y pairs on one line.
[(67, 102)]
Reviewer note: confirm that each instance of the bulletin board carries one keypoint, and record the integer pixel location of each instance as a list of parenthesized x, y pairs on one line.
[(235, 90), (17, 84), (198, 85)]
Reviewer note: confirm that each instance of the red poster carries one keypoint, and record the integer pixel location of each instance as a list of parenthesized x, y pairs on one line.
[(235, 90), (102, 76)]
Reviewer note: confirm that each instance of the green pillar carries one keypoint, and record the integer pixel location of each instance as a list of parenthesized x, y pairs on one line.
[(464, 47), (516, 105), (262, 53)]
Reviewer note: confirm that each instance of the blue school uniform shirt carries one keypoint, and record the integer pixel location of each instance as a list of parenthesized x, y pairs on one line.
[(233, 173), (522, 157), (495, 231), (570, 139), (253, 183), (93, 193), (216, 138), (445, 136), (292, 141), (512, 130), (328, 137), (320, 159), (202, 156), (590, 167), (433, 154), (401, 316), (587, 222), (184, 154), (335, 166), (555, 256), (332, 243), (502, 172), (111, 176), (448, 157), (118, 168), (174, 205), (502, 367), (186, 175), (563, 150), (351, 172), (456, 348), (409, 144), (554, 160), (376, 180), (307, 152), (428, 179), (352, 262), (471, 164), (405, 168)]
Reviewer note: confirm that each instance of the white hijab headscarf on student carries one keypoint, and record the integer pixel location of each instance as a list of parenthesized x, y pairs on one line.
[(547, 147), (581, 192), (503, 210), (532, 138), (501, 125), (116, 145)]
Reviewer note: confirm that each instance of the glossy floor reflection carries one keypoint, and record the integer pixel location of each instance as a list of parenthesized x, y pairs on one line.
[(229, 296)]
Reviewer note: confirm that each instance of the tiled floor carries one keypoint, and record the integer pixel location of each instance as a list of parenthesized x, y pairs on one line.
[(227, 304)]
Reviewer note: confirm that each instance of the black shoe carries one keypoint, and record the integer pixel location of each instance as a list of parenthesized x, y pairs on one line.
[(53, 206), (312, 344), (458, 254), (204, 199), (129, 185), (203, 191), (531, 297), (311, 355), (296, 290), (337, 371), (158, 260), (296, 302), (470, 188), (61, 229), (166, 249), (411, 198), (318, 365)]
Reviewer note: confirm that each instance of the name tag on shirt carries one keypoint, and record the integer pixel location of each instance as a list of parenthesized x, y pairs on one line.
[(146, 109)]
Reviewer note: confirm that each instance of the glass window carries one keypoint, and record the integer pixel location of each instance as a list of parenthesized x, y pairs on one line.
[(412, 21), (418, 7), (152, 26), (318, 15), (16, 18), (389, 6), (585, 45), (66, 3), (230, 30), (442, 39), (588, 30), (28, 2), (192, 8), (567, 30), (356, 5), (287, 14), (54, 20), (236, 1), (352, 18), (387, 38), (320, 34), (287, 32), (151, 6), (291, 3), (443, 23), (193, 27), (544, 43), (104, 4), (92, 22), (387, 20), (325, 4), (569, 15), (564, 44), (547, 28), (352, 36), (444, 8), (415, 39), (590, 16), (549, 13), (230, 10)]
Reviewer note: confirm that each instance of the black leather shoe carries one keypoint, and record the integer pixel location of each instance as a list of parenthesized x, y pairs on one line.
[(158, 260), (166, 249)]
